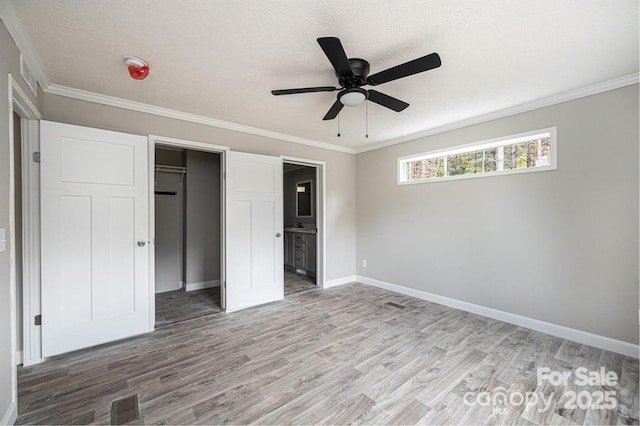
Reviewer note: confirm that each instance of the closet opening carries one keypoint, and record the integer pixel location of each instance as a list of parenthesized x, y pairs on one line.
[(300, 208), (188, 240)]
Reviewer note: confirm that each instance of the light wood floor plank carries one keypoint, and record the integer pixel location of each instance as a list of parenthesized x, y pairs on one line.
[(344, 355)]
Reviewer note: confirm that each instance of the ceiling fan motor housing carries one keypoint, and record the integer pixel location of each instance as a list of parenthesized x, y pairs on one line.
[(360, 69)]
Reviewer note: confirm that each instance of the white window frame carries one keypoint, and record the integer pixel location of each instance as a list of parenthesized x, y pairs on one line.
[(477, 146)]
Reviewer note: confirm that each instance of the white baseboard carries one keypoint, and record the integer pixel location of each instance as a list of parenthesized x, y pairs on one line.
[(167, 290), (34, 361), (339, 281), (18, 357), (11, 415), (204, 284), (584, 337)]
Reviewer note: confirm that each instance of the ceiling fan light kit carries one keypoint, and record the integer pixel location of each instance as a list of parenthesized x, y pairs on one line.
[(352, 97), (353, 73)]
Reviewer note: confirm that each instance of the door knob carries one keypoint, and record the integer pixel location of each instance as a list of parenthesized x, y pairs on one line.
[(141, 243), (278, 235)]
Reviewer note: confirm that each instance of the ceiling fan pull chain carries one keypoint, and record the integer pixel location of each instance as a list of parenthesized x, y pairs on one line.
[(338, 125), (366, 119)]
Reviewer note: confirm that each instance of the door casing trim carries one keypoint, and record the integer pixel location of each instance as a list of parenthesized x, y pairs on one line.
[(20, 103)]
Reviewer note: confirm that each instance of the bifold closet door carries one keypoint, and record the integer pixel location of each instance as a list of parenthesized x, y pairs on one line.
[(95, 226)]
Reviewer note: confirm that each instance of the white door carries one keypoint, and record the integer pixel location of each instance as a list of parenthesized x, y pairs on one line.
[(95, 256), (255, 264)]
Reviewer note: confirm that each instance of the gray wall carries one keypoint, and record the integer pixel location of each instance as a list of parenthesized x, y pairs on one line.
[(203, 217), (169, 215), (340, 167), (10, 63), (289, 187), (17, 164), (559, 246), (170, 157)]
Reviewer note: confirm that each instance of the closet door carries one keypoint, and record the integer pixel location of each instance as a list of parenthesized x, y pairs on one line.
[(254, 234), (94, 230)]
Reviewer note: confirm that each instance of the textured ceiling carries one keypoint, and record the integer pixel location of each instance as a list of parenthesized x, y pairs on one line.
[(221, 58)]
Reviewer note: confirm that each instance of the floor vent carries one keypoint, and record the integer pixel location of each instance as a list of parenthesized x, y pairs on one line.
[(395, 305), (124, 410)]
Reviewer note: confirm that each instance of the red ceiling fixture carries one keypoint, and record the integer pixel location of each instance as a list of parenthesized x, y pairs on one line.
[(138, 68)]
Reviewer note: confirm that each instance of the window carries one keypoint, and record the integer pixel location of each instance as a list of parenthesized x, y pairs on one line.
[(527, 152)]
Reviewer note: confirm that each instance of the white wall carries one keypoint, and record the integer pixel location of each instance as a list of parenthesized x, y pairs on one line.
[(559, 246), (340, 167)]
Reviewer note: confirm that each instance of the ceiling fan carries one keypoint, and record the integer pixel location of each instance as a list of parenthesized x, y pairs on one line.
[(353, 73)]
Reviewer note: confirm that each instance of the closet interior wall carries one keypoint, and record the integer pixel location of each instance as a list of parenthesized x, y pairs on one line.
[(170, 205), (188, 219), (203, 221)]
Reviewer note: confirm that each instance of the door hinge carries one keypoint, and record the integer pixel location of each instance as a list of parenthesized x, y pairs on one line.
[(224, 175), (36, 157), (38, 320)]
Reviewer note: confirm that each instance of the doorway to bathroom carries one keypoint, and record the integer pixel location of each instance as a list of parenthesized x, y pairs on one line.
[(188, 241), (301, 201)]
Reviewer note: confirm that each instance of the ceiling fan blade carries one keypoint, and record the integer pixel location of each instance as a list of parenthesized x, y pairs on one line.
[(303, 90), (335, 52), (333, 111), (416, 66), (387, 101)]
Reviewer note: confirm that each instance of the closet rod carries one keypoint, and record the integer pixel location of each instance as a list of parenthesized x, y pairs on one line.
[(171, 169)]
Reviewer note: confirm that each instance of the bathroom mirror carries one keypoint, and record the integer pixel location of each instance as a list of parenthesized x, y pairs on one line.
[(304, 199)]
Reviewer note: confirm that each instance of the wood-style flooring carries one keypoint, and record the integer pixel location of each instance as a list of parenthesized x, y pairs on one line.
[(352, 354), (297, 283), (180, 305)]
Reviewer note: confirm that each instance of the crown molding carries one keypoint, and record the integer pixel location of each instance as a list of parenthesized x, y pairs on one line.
[(9, 16), (199, 119), (593, 89), (113, 101)]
